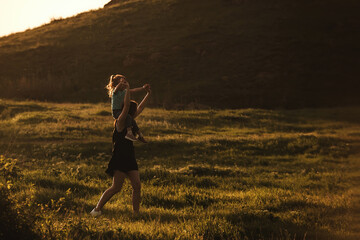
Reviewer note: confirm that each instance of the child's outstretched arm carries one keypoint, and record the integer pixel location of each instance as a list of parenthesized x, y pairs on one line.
[(139, 88)]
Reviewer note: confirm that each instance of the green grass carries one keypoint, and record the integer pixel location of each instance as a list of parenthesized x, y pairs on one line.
[(217, 53), (206, 174)]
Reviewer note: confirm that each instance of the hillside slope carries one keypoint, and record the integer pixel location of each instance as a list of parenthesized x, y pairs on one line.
[(219, 53)]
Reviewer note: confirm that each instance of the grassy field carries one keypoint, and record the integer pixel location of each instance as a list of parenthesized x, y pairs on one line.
[(224, 174)]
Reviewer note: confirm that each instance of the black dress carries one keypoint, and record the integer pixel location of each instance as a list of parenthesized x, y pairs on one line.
[(123, 154)]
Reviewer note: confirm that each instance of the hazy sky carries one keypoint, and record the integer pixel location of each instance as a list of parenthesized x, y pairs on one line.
[(19, 15)]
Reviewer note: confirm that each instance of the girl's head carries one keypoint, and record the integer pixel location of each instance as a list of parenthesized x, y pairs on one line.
[(133, 108), (114, 81)]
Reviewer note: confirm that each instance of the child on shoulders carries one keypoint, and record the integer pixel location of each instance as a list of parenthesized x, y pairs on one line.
[(116, 91)]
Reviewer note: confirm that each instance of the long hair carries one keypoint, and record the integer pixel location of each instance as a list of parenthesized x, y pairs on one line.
[(113, 82)]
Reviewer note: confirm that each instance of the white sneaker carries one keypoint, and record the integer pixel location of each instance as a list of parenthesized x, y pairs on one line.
[(95, 213)]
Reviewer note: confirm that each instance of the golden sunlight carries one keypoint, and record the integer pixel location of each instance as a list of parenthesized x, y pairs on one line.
[(19, 15)]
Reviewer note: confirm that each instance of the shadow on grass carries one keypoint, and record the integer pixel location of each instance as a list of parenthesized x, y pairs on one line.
[(182, 152), (11, 110), (197, 170), (286, 146), (150, 200), (177, 153), (304, 206), (257, 224), (184, 174), (298, 117), (153, 214), (67, 150), (63, 186), (340, 114), (190, 199)]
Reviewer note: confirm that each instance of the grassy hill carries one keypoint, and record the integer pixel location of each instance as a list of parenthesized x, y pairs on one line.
[(218, 53)]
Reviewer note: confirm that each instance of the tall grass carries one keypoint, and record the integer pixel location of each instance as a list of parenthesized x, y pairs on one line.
[(229, 174)]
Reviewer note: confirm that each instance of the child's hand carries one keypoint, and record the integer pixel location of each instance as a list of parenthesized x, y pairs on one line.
[(147, 87)]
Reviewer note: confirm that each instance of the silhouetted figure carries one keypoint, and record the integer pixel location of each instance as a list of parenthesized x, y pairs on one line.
[(123, 162)]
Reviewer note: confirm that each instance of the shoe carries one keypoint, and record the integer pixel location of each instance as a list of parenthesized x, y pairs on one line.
[(131, 137), (142, 139), (95, 213)]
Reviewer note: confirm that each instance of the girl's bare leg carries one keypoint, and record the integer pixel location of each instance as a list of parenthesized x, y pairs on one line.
[(118, 181), (136, 186)]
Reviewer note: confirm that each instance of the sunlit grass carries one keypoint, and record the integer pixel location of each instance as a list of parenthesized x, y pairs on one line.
[(215, 174)]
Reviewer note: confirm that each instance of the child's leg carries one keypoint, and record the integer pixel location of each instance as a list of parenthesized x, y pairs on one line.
[(135, 127), (136, 130), (128, 121), (128, 124)]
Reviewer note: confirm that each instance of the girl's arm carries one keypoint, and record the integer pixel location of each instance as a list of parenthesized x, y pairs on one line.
[(143, 102), (120, 123)]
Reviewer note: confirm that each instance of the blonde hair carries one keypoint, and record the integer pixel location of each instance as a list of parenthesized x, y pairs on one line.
[(113, 82)]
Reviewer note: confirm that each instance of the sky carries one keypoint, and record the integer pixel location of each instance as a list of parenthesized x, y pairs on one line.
[(19, 15)]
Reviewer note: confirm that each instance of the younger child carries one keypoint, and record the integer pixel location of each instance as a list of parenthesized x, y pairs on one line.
[(116, 90)]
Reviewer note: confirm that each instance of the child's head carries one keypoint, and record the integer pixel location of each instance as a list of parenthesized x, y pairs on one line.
[(114, 81)]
